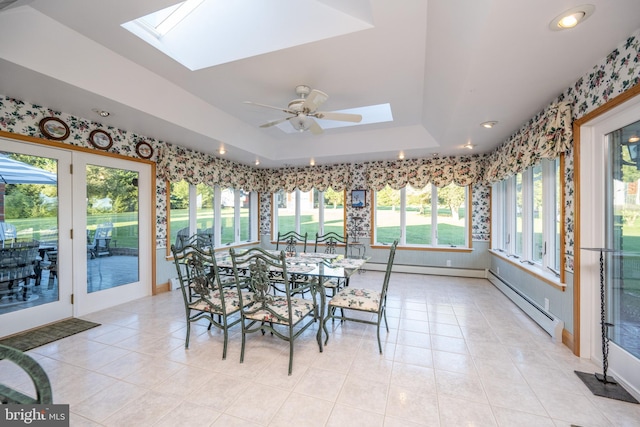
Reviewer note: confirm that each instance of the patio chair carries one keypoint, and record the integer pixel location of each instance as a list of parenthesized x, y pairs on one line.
[(8, 233), (290, 240), (363, 300), (198, 271), (99, 244), (284, 315)]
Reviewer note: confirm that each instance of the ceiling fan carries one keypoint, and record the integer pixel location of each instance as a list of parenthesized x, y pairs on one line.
[(304, 109)]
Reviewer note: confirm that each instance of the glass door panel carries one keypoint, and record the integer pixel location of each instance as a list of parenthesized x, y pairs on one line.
[(112, 227), (623, 297), (35, 287)]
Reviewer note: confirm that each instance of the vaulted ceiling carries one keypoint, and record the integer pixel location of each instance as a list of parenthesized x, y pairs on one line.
[(443, 66)]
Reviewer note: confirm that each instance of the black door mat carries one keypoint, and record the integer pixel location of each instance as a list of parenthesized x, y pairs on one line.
[(611, 390), (47, 334)]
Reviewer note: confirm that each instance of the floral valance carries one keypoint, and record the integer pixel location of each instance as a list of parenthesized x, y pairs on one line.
[(176, 163), (545, 136), (438, 171)]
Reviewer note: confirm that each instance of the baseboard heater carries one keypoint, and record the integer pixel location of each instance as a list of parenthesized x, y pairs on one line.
[(547, 321)]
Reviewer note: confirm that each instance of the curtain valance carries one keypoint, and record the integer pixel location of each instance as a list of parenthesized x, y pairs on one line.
[(545, 136)]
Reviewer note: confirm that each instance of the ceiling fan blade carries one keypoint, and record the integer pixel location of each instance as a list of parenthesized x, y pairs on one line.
[(343, 117), (315, 128), (314, 100), (269, 106), (274, 122)]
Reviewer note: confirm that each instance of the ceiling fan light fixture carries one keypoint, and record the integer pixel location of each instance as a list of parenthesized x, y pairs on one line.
[(301, 122), (572, 17)]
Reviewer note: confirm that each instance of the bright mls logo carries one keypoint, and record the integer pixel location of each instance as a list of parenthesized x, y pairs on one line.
[(35, 415)]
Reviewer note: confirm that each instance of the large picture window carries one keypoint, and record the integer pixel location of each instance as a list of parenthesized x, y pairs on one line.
[(526, 216), (308, 212), (230, 216), (428, 216)]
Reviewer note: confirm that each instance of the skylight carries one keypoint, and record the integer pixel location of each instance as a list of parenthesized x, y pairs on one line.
[(372, 114), (204, 33)]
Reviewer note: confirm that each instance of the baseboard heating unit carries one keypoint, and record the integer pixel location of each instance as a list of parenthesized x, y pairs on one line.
[(547, 321)]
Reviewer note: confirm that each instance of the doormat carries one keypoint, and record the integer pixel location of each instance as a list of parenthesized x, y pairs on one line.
[(47, 334)]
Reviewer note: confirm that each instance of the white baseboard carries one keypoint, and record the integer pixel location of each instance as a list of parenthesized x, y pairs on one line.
[(436, 271)]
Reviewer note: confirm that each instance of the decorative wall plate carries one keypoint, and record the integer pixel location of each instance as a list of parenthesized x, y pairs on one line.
[(54, 128), (144, 149), (100, 139)]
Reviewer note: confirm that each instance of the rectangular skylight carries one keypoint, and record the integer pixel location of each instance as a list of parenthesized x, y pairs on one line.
[(204, 33)]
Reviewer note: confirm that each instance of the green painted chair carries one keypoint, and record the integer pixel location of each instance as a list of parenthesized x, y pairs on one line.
[(205, 294), (290, 241), (363, 300), (330, 242), (39, 377), (283, 313)]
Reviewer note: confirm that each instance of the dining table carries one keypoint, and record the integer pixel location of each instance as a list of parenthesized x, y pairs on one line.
[(315, 266)]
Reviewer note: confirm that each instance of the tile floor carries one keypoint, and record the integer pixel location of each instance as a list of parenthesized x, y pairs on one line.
[(458, 354)]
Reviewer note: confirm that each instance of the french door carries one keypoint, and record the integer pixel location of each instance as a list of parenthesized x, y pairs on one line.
[(90, 218), (112, 231), (35, 211)]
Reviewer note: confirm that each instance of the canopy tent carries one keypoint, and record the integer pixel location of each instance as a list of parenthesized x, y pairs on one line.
[(15, 172)]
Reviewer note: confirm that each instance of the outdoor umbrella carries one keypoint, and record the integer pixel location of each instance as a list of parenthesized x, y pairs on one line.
[(15, 172)]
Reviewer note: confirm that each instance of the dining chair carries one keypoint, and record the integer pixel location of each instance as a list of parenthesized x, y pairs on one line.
[(331, 241), (197, 270), (39, 379), (363, 300), (284, 313), (289, 242)]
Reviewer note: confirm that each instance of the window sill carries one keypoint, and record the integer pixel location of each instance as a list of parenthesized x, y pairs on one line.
[(534, 270), (224, 247)]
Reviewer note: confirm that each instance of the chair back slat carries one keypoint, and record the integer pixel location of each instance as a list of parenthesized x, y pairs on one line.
[(387, 274)]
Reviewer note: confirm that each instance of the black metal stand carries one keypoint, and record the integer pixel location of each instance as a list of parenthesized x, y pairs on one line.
[(601, 384)]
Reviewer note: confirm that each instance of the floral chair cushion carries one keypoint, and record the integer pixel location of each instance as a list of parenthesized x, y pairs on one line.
[(300, 307), (231, 301), (359, 299)]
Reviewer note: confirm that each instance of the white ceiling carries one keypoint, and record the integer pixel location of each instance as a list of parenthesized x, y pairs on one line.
[(444, 66)]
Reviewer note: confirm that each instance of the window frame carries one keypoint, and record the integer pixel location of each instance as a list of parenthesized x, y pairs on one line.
[(434, 222), (297, 208), (217, 215), (504, 217)]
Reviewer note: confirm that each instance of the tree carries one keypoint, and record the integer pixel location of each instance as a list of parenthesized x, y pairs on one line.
[(452, 196), (388, 197), (334, 197)]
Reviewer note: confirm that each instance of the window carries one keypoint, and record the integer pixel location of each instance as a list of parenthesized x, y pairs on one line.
[(308, 212), (428, 216), (526, 216), (230, 215)]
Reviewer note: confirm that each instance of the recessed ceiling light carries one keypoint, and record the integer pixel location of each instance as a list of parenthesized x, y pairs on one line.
[(101, 113), (222, 150), (257, 162), (468, 146), (634, 139), (489, 124), (401, 155), (572, 17), (312, 162)]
